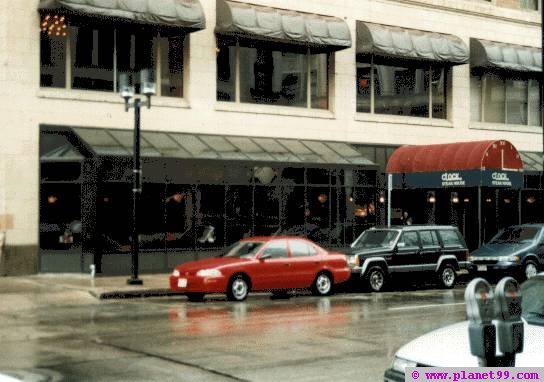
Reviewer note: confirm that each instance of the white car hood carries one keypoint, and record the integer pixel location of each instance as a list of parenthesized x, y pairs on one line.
[(449, 347)]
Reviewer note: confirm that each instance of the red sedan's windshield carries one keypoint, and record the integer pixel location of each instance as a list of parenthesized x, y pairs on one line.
[(244, 249)]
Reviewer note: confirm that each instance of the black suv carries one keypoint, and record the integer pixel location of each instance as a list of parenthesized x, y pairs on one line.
[(516, 250), (379, 253)]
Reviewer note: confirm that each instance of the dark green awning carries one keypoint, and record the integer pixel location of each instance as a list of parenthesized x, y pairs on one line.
[(532, 162), (395, 42), (273, 24), (177, 13), (499, 55), (118, 142)]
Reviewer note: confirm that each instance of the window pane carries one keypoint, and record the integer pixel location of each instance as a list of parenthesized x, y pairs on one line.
[(171, 81), (428, 238), (276, 249), (529, 4), (179, 217), (409, 239), (226, 72), (299, 249), (494, 99), (516, 102), (135, 51), (53, 61), (152, 228), (209, 210), (363, 87), (319, 80), (239, 211), (534, 103), (439, 93), (266, 210), (450, 238), (273, 77), (92, 57), (476, 98), (402, 91)]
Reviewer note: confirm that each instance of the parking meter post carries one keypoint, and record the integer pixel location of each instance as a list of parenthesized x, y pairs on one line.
[(480, 307), (510, 330)]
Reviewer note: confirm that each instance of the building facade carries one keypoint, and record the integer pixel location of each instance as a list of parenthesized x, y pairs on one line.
[(270, 116)]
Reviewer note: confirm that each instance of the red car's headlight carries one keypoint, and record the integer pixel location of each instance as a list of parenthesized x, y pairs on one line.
[(209, 273)]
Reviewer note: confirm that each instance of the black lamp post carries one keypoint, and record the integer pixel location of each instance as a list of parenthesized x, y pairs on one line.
[(127, 91)]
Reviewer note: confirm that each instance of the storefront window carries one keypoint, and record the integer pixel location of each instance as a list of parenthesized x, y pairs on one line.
[(239, 213), (98, 53), (60, 216), (266, 210), (411, 90), (179, 217), (499, 99), (209, 210), (268, 75)]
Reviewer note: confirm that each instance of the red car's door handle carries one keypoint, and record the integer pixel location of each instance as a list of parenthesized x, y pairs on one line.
[(287, 264)]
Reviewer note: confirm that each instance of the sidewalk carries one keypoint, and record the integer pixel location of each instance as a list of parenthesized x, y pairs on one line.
[(110, 287)]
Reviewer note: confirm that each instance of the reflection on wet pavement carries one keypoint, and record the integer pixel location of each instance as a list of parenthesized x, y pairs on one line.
[(342, 337)]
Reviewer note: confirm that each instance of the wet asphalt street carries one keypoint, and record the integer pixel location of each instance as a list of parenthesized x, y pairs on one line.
[(68, 335)]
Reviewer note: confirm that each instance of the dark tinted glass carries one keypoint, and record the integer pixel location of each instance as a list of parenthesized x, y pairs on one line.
[(516, 235), (409, 239), (428, 238), (450, 237)]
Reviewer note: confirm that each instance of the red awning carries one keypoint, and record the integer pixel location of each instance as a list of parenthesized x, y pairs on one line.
[(501, 155)]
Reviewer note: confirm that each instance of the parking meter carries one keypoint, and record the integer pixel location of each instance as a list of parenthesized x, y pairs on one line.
[(509, 324), (480, 307)]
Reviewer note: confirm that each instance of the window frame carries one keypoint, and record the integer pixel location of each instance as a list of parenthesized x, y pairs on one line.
[(220, 43), (69, 56), (428, 69), (483, 77)]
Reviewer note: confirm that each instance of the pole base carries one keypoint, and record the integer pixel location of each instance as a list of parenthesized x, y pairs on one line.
[(133, 281)]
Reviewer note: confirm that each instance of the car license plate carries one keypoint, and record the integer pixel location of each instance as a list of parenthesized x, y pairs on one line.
[(482, 268), (182, 283)]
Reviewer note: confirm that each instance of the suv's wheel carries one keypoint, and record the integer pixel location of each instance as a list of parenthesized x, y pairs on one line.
[(530, 269), (322, 285), (195, 297), (447, 276), (238, 288), (375, 279)]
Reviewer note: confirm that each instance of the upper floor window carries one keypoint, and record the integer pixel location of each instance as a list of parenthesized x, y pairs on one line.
[(413, 89), (529, 4), (91, 56), (505, 98), (265, 74)]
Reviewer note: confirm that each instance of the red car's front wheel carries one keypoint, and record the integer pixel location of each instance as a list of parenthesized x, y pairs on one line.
[(322, 285), (238, 288)]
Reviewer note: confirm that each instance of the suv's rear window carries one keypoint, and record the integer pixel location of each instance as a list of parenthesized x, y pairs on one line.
[(450, 238)]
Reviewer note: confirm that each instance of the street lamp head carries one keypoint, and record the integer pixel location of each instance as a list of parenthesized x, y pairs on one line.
[(147, 81), (126, 88)]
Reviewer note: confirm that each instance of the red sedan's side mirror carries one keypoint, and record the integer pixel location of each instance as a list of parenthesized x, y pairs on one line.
[(265, 256)]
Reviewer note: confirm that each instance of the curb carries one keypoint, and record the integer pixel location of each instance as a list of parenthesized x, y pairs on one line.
[(126, 294)]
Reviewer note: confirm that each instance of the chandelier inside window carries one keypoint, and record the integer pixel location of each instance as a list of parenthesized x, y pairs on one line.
[(54, 25)]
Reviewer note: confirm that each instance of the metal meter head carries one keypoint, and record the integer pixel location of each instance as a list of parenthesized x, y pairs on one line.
[(479, 301), (508, 300)]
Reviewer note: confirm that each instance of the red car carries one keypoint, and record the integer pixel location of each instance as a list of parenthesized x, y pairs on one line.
[(262, 264)]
